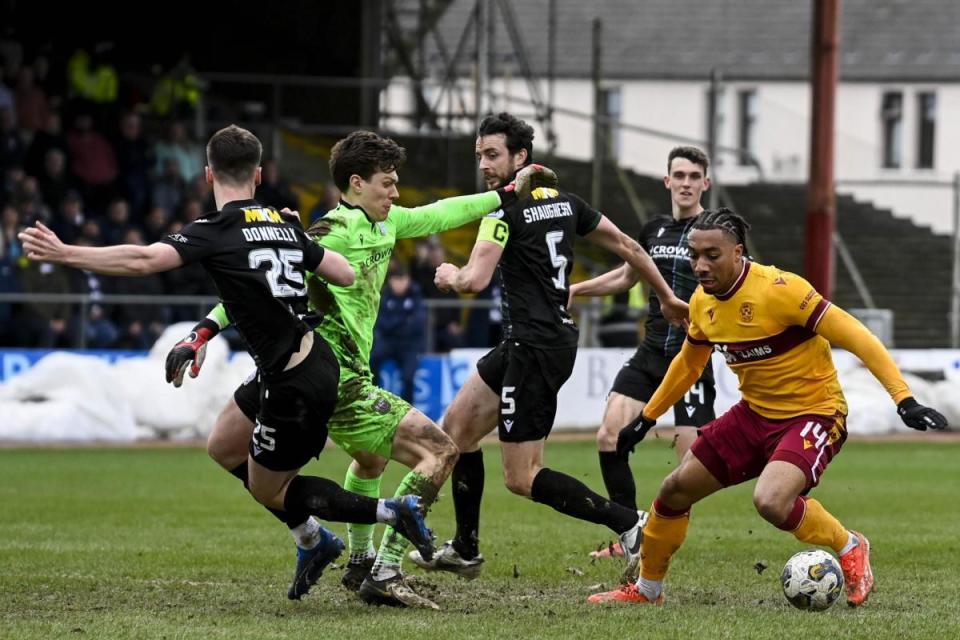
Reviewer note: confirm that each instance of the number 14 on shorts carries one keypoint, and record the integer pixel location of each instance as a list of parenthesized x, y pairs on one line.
[(819, 435)]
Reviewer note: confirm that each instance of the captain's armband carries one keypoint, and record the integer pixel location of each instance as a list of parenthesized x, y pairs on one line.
[(494, 230)]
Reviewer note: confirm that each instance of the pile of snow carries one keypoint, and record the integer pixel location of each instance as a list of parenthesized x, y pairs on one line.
[(68, 397)]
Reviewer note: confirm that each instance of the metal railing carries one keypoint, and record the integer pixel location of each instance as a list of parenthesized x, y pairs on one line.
[(587, 314)]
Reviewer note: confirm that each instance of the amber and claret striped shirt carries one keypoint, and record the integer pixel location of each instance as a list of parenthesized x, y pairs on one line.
[(774, 330)]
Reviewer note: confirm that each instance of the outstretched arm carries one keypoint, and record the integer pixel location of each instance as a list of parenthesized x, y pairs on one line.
[(451, 213), (843, 330), (684, 370), (608, 236), (42, 244), (614, 281)]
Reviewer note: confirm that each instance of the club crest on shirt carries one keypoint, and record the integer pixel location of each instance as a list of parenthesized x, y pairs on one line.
[(381, 405), (710, 314), (746, 312)]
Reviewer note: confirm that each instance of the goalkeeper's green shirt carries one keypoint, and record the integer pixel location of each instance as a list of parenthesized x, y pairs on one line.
[(350, 313)]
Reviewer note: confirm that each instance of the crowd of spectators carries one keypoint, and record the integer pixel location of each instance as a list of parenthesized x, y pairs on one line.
[(99, 163), (102, 163)]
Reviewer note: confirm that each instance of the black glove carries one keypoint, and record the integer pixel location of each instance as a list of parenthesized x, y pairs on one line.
[(532, 176), (916, 416), (190, 352), (632, 434)]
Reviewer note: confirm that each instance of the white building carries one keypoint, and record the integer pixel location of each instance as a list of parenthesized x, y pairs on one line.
[(897, 109)]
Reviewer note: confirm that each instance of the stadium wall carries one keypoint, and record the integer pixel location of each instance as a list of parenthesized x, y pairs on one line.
[(57, 396)]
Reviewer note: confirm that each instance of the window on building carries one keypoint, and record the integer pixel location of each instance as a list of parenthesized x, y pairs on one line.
[(891, 116), (926, 128), (611, 101), (747, 114)]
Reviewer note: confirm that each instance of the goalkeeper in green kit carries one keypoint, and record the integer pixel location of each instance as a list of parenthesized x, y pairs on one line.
[(369, 423)]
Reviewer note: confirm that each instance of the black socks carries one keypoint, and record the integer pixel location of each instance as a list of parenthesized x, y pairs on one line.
[(467, 479), (328, 501), (618, 479), (573, 498)]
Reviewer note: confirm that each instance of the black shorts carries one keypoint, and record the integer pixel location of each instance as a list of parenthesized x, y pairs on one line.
[(644, 372), (290, 410), (527, 379)]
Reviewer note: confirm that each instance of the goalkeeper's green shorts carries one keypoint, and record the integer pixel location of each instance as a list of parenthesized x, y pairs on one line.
[(366, 417)]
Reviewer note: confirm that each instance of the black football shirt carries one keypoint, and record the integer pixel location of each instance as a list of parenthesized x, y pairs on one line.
[(257, 261), (537, 234), (665, 239)]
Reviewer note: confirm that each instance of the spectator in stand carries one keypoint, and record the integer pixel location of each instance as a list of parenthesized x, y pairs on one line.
[(90, 234), (135, 163), (69, 219), (44, 325), (177, 92), (7, 100), (10, 224), (139, 324), (53, 182), (93, 163), (448, 328), (329, 200), (274, 190), (116, 224), (28, 199), (188, 155), (10, 253), (198, 189), (52, 88), (12, 150), (33, 107), (168, 189), (95, 330), (154, 225), (11, 182), (191, 280), (93, 82), (485, 325), (400, 329), (192, 209), (50, 137)]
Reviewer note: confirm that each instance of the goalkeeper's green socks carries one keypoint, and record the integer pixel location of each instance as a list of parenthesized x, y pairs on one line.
[(360, 536), (393, 545)]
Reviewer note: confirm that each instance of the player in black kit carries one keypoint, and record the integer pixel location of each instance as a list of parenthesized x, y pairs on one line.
[(515, 386), (665, 239), (257, 260)]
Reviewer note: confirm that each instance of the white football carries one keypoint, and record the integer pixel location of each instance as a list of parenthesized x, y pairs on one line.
[(812, 580)]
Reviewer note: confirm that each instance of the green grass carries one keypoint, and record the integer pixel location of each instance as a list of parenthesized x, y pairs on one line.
[(158, 543)]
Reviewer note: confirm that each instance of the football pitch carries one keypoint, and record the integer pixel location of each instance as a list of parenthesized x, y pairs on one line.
[(159, 543)]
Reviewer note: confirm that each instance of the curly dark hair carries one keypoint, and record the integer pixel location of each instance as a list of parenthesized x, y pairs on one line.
[(725, 220), (233, 154), (363, 153), (694, 155), (519, 134)]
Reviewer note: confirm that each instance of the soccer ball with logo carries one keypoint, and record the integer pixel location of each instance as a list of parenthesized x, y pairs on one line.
[(812, 580)]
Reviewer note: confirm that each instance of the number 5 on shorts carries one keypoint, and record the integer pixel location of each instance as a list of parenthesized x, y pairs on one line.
[(507, 404)]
